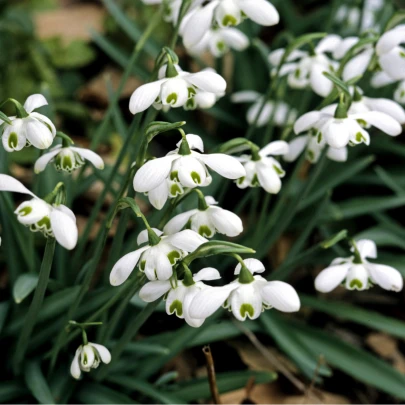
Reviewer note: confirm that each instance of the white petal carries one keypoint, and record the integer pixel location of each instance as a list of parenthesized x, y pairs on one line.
[(208, 81), (235, 39), (260, 11), (381, 79), (103, 352), (201, 222), (246, 302), (205, 100), (385, 276), (358, 65), (329, 278), (38, 133), (187, 240), (226, 222), (337, 133), (177, 223), (390, 40), (344, 46), (163, 268), (42, 162), (328, 43), (90, 156), (194, 142), (386, 106), (75, 366), (226, 9), (338, 155), (158, 196), (45, 120), (268, 178), (275, 148), (253, 265), (143, 236), (124, 267), (64, 227), (296, 147), (245, 96), (226, 166), (188, 298), (307, 121), (320, 84), (381, 121), (34, 101), (174, 92), (144, 96), (260, 115), (87, 357), (357, 278), (8, 183), (153, 173), (206, 274), (176, 296), (16, 129), (38, 210), (367, 248), (393, 63), (153, 290), (190, 171), (281, 296)]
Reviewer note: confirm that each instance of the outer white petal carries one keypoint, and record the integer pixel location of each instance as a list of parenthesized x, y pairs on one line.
[(158, 196), (320, 84), (42, 162), (358, 65), (187, 240), (34, 101), (207, 301), (153, 172), (206, 274), (328, 43), (38, 133), (307, 121), (90, 156), (381, 121), (225, 9), (381, 79), (296, 147), (153, 290), (367, 248), (226, 222), (235, 39), (164, 268), (204, 99), (208, 81), (385, 276), (344, 46), (124, 267), (143, 236), (386, 106), (8, 183), (245, 96), (103, 352), (144, 96), (268, 178), (259, 114), (260, 11), (188, 298), (246, 294), (329, 278), (64, 227), (253, 265), (390, 39), (194, 142), (177, 223), (338, 155), (45, 120), (281, 296), (393, 63), (75, 366), (275, 148), (226, 166)]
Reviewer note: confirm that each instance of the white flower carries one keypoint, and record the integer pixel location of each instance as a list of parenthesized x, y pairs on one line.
[(68, 159), (165, 177), (87, 357), (263, 170), (56, 221), (246, 297), (179, 298), (206, 221), (35, 129), (313, 149), (172, 8), (358, 273), (175, 91), (391, 56), (156, 261), (219, 41), (339, 132), (306, 69), (399, 94), (281, 113), (226, 13)]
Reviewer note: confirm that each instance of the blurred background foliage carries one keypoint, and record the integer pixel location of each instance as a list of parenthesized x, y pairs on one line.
[(347, 347)]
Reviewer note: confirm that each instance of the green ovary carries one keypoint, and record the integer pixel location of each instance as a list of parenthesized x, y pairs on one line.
[(176, 306), (246, 310)]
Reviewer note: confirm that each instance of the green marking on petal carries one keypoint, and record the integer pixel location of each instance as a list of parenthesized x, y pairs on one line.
[(360, 137), (240, 180), (246, 310), (356, 283), (13, 140), (402, 54), (67, 163), (171, 98), (190, 104), (177, 307), (25, 211), (173, 256), (205, 231), (310, 155), (319, 137), (278, 170), (221, 46), (175, 190), (45, 222), (191, 92), (196, 177), (255, 181), (229, 20), (297, 73), (174, 176), (142, 265), (362, 122), (402, 94)]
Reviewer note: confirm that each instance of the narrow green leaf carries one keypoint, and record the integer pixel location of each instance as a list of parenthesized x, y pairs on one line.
[(396, 19), (4, 307), (157, 127), (37, 384), (10, 390), (92, 393), (25, 284), (334, 239)]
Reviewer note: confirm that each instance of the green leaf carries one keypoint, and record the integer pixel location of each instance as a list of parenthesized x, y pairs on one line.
[(157, 127), (348, 312), (25, 284), (334, 239), (382, 237), (10, 390), (92, 393), (235, 145), (37, 384), (340, 84), (396, 19), (4, 307), (299, 42)]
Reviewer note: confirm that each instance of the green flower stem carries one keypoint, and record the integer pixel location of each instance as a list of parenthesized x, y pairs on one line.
[(35, 306), (202, 204), (183, 10), (66, 140), (357, 255)]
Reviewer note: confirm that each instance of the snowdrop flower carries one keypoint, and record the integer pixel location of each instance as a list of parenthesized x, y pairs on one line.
[(68, 158), (184, 167), (339, 132), (313, 149), (281, 113), (263, 170), (391, 56), (31, 128), (349, 16), (175, 87), (206, 220), (357, 272), (219, 41), (247, 296), (157, 258), (226, 13), (399, 94), (56, 221), (306, 69), (88, 356), (179, 297)]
